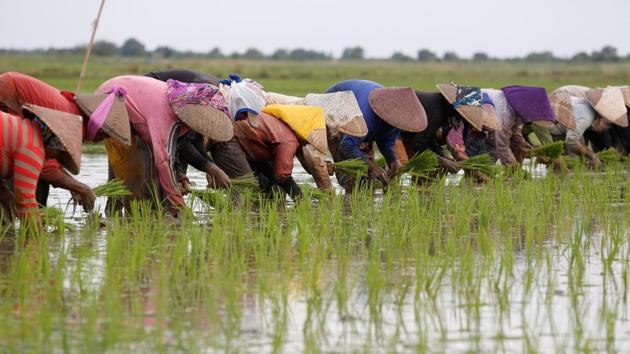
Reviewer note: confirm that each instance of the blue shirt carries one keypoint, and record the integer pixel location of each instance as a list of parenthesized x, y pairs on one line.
[(378, 130)]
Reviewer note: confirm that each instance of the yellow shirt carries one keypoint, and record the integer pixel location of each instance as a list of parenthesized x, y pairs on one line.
[(303, 120)]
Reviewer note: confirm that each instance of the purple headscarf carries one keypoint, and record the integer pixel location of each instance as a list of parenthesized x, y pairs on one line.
[(529, 102), (180, 94)]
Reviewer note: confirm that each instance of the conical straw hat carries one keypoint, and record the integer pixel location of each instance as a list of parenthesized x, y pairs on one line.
[(69, 130), (278, 98), (561, 104), (490, 118), (609, 104), (473, 114), (207, 121), (399, 107), (117, 123), (342, 112)]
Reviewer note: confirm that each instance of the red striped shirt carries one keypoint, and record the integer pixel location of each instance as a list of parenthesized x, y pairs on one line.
[(21, 159)]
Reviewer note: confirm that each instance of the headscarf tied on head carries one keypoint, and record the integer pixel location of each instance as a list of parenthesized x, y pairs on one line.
[(467, 96), (531, 103), (246, 96), (98, 117), (180, 94)]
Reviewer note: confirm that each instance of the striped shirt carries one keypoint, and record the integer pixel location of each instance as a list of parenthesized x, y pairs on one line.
[(21, 159)]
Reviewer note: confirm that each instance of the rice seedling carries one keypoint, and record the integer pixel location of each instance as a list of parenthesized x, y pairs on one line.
[(247, 181), (420, 165), (572, 162), (482, 163), (112, 188), (543, 134), (352, 167), (550, 151), (610, 156)]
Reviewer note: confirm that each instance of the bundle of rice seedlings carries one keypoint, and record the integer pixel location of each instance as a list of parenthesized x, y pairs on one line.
[(247, 181), (420, 165), (482, 163), (212, 197), (353, 167), (551, 150), (571, 162), (543, 135), (609, 156), (381, 162), (112, 188)]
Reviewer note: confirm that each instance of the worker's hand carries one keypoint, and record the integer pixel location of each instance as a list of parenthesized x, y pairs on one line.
[(394, 168), (480, 177), (448, 164), (593, 161), (331, 168), (376, 172), (522, 152), (85, 197), (217, 178), (184, 181), (560, 167)]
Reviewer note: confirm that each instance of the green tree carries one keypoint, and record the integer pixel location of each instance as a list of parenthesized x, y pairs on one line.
[(480, 56), (132, 48), (450, 56), (104, 48), (426, 55), (353, 53), (400, 56)]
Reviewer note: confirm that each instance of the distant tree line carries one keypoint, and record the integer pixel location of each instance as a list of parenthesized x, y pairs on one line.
[(134, 48)]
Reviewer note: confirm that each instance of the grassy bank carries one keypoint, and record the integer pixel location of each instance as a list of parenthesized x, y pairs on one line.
[(298, 78)]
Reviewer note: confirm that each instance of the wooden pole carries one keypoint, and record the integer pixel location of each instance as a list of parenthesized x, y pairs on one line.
[(86, 59)]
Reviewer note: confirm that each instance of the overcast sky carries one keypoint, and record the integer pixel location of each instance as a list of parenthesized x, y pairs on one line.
[(499, 27)]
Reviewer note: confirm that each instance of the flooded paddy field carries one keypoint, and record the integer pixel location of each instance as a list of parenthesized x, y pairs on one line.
[(518, 265)]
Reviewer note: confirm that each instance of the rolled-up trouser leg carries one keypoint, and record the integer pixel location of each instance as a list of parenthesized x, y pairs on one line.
[(314, 162), (7, 204), (230, 158)]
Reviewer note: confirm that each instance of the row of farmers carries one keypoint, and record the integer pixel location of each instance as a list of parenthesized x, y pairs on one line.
[(154, 126)]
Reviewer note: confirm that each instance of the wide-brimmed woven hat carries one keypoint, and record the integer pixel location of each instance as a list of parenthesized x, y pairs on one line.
[(116, 124), (202, 107), (399, 107), (472, 114), (609, 104), (625, 90), (69, 130), (561, 105), (278, 98), (491, 120), (342, 111), (207, 121)]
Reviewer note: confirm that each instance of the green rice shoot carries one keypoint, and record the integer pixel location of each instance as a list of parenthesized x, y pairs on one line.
[(609, 156), (112, 188), (551, 150), (420, 165), (543, 135), (247, 181), (352, 167), (482, 163)]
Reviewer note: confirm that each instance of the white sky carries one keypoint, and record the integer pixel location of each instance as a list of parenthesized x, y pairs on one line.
[(499, 27)]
